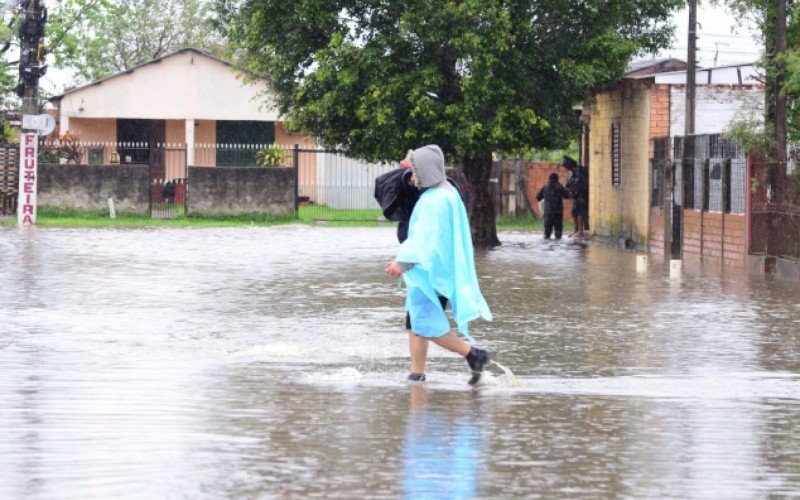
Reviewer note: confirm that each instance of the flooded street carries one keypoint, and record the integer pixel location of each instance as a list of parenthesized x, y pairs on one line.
[(271, 362)]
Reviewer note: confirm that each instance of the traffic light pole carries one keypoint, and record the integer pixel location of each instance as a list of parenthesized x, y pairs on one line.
[(33, 16)]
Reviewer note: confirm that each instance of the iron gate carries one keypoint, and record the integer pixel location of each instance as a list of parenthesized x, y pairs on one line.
[(168, 172)]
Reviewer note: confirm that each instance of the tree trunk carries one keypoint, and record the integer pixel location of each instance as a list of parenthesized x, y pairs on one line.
[(480, 206)]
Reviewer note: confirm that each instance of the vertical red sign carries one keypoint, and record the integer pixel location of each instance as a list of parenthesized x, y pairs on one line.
[(26, 207)]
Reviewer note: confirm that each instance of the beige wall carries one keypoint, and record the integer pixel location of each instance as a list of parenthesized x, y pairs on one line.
[(205, 134), (205, 138), (186, 85), (94, 130), (620, 211), (175, 132), (284, 138)]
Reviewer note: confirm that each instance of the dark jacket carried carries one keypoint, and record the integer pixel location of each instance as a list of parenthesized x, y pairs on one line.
[(553, 194), (397, 198)]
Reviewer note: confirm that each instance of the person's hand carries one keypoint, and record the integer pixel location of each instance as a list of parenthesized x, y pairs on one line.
[(394, 269)]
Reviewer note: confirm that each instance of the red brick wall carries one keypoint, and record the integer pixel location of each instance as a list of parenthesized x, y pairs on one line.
[(735, 243), (537, 177), (659, 113), (657, 231), (723, 236), (659, 127)]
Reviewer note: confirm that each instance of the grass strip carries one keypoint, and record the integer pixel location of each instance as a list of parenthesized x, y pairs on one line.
[(66, 217)]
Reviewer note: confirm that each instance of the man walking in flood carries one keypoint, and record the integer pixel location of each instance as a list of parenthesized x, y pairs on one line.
[(437, 264), (553, 194)]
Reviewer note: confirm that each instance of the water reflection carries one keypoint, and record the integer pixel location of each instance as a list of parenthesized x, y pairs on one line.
[(271, 363), (442, 449)]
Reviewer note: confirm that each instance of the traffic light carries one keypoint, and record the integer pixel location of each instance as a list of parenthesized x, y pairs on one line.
[(33, 16)]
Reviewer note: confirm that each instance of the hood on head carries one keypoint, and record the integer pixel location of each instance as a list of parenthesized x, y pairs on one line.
[(427, 163)]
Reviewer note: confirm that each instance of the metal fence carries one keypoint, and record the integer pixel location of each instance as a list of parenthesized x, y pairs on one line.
[(775, 218), (330, 186), (710, 174)]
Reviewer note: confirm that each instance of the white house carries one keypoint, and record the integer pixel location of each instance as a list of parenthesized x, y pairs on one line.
[(187, 98), (203, 110)]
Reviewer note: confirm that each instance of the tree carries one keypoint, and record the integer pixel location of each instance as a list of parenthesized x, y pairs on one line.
[(64, 16), (111, 36), (477, 77)]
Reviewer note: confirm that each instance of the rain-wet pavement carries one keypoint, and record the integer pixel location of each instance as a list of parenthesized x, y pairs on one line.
[(265, 362)]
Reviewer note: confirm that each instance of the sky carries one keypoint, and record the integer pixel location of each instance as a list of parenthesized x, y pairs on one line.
[(719, 37), (720, 42)]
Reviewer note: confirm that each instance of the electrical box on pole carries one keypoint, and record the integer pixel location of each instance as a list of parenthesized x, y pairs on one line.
[(32, 66)]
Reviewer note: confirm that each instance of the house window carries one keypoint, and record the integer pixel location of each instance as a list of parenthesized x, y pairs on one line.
[(238, 141), (615, 154)]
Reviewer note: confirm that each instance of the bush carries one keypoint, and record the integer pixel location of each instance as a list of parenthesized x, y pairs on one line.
[(273, 156)]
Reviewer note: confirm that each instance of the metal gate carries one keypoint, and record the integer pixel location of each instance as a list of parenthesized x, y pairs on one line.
[(9, 178), (169, 181), (333, 187)]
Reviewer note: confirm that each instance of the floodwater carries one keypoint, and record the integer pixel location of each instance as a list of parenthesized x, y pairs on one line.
[(271, 362)]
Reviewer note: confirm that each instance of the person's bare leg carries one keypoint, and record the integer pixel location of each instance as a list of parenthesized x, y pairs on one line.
[(418, 347), (453, 343), (579, 225)]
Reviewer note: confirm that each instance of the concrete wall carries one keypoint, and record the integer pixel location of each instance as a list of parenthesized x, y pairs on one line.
[(715, 108), (232, 191), (620, 212), (85, 187)]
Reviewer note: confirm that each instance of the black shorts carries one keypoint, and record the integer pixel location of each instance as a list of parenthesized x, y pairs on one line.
[(442, 301)]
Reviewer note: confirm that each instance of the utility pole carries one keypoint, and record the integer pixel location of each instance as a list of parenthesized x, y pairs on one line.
[(688, 133), (779, 147), (33, 16), (691, 69)]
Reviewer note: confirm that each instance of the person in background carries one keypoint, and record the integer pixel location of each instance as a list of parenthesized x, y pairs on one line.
[(578, 186), (169, 192), (437, 264), (553, 194)]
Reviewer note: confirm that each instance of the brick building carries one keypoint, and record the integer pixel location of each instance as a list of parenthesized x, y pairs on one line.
[(644, 191)]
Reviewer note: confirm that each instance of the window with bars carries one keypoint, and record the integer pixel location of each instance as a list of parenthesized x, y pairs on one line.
[(615, 154)]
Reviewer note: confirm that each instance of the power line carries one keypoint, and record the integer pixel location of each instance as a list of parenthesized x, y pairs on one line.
[(740, 52)]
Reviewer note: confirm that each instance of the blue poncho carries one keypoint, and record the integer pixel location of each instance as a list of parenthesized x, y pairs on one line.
[(439, 245)]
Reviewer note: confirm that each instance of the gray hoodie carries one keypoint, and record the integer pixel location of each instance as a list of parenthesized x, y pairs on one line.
[(427, 163)]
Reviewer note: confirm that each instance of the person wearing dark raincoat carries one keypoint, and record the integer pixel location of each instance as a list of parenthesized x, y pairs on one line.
[(553, 194), (578, 186), (437, 261)]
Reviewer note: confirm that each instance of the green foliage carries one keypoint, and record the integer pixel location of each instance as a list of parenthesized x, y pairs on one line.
[(8, 133), (750, 135), (96, 38), (476, 77), (272, 156), (373, 78), (553, 155), (66, 217), (66, 147), (762, 14)]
